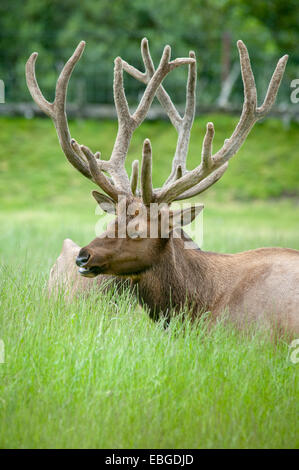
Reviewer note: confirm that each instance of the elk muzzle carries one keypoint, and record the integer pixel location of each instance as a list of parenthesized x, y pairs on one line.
[(82, 259)]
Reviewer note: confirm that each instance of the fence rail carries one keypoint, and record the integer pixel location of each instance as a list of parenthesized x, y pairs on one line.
[(286, 113)]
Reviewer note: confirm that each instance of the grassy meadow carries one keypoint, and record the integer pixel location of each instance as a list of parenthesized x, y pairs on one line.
[(96, 372)]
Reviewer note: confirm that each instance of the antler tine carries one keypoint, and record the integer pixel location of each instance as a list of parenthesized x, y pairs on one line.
[(146, 173), (56, 110), (204, 184), (184, 128), (273, 87), (98, 177), (161, 94), (134, 176), (206, 153), (116, 165), (207, 173), (121, 104), (34, 88)]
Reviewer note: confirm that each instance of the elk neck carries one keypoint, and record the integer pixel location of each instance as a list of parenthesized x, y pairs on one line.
[(182, 277)]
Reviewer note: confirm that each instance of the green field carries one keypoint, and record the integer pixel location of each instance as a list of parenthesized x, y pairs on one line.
[(97, 372)]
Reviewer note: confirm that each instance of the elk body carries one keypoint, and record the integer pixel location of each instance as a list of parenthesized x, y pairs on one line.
[(258, 286)]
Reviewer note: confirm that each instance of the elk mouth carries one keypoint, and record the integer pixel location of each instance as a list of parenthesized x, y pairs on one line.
[(91, 272)]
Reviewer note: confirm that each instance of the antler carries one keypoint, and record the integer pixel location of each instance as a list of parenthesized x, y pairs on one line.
[(183, 124), (80, 156), (183, 184)]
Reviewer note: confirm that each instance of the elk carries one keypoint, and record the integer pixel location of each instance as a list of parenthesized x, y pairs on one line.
[(259, 287)]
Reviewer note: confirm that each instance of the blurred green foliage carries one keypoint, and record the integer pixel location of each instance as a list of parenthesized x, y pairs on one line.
[(112, 28), (35, 173)]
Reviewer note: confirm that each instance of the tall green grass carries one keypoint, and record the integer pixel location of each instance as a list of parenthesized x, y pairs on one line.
[(97, 372)]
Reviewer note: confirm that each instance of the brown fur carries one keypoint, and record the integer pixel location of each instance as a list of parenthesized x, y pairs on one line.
[(241, 284)]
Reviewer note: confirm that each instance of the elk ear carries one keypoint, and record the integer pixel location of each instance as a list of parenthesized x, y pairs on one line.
[(185, 216), (105, 202)]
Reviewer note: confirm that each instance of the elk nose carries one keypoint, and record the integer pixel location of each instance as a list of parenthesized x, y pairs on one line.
[(81, 260)]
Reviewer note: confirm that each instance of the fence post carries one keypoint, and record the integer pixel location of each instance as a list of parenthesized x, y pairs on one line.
[(2, 92)]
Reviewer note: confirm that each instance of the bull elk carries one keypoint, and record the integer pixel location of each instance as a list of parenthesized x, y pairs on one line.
[(258, 286)]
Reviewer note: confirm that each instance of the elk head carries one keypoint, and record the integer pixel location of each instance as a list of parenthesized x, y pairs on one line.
[(128, 247), (135, 240)]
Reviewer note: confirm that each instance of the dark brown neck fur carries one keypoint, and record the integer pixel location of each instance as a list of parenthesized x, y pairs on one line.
[(182, 277)]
